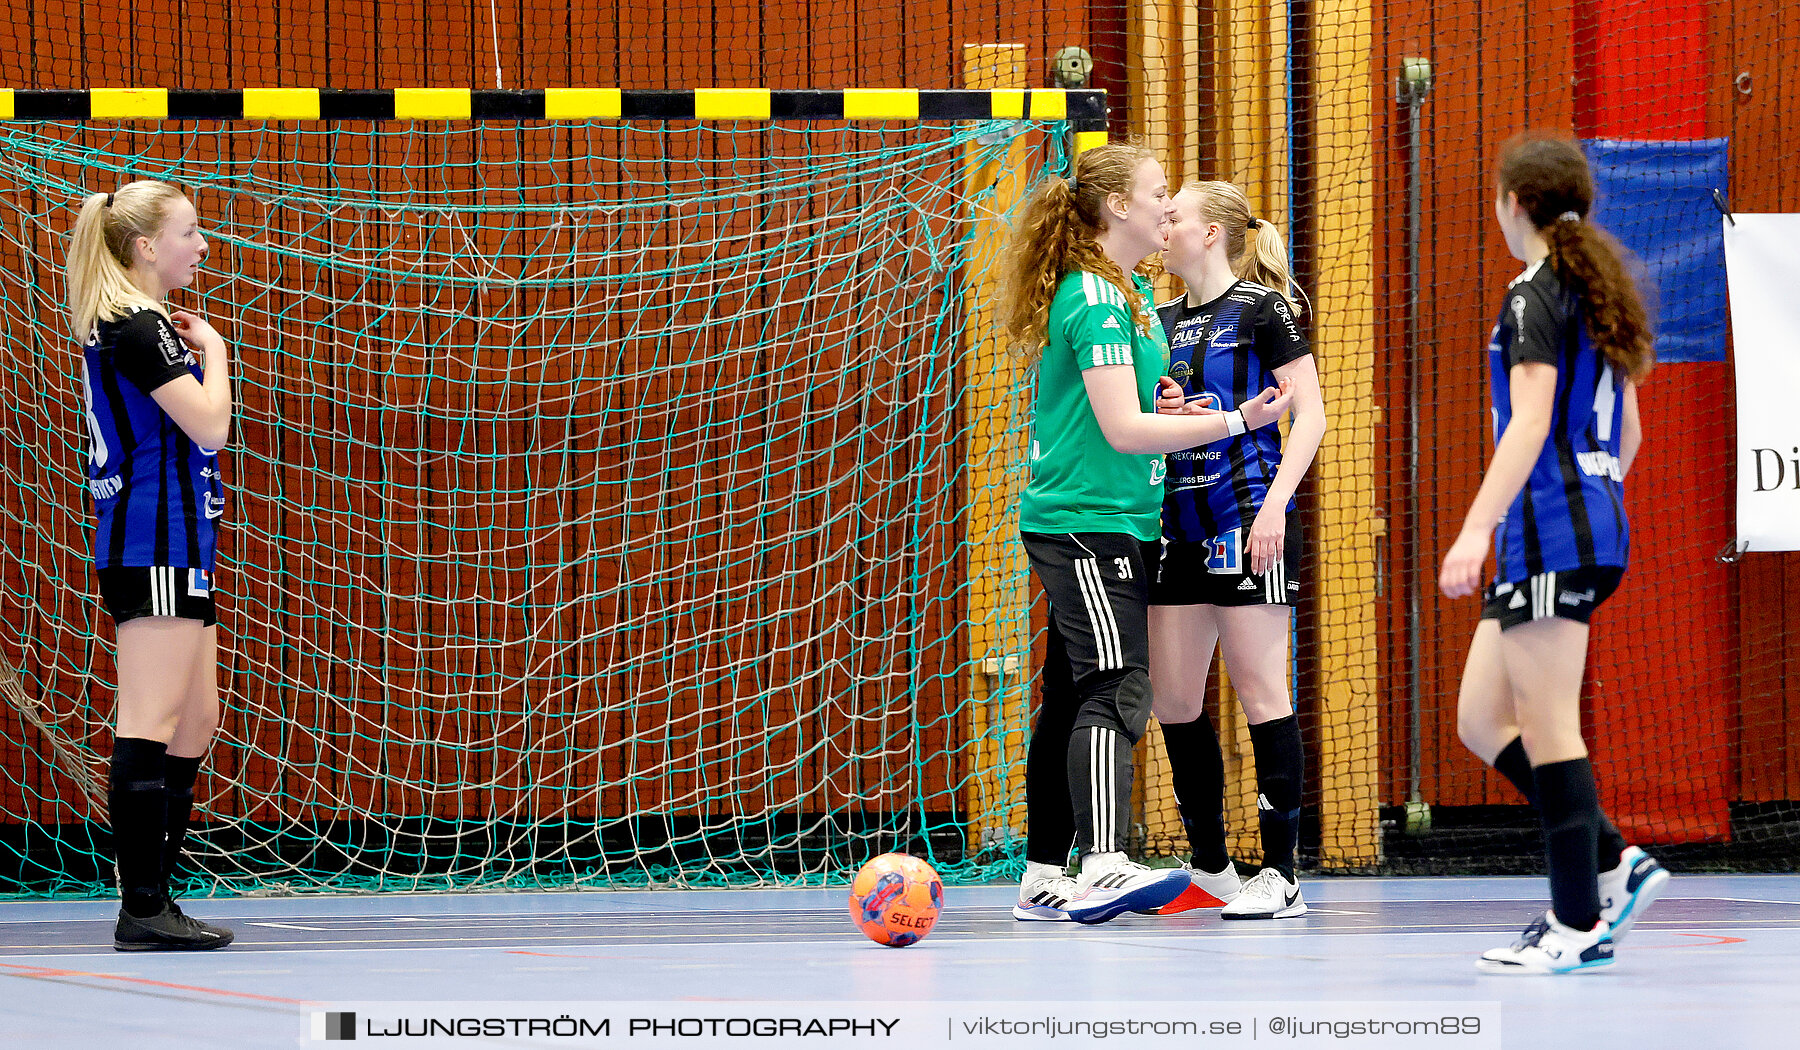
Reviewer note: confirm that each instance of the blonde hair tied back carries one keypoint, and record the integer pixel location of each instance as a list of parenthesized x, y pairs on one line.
[(102, 251), (1257, 252)]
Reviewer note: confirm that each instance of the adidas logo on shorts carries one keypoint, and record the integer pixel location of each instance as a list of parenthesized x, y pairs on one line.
[(1247, 585), (1518, 600)]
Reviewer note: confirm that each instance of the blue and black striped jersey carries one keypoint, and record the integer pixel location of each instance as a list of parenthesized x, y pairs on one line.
[(156, 493), (1230, 348), (1571, 512)]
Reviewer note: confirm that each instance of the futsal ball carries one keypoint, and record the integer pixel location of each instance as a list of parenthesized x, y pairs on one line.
[(895, 899)]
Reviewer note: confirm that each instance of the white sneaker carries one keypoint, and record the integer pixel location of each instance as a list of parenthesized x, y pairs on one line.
[(1206, 889), (1627, 890), (1547, 946), (1043, 894), (1111, 885), (1266, 896)]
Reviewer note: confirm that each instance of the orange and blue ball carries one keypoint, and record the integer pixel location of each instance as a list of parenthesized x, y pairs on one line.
[(895, 899)]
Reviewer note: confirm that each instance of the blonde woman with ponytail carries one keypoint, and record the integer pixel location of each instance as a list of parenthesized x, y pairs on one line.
[(1571, 345), (1230, 568), (1091, 516), (158, 410)]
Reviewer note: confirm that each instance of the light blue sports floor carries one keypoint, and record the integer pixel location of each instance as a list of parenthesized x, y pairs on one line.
[(1714, 964)]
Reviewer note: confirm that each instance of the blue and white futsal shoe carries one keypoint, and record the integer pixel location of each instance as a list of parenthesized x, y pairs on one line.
[(1044, 896), (1628, 889), (1111, 885), (1548, 947)]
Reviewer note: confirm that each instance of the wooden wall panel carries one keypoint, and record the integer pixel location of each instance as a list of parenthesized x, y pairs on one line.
[(1407, 26), (1754, 100), (1477, 103), (1495, 75), (1459, 284)]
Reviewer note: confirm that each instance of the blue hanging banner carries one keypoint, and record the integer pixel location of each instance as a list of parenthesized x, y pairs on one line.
[(1656, 198)]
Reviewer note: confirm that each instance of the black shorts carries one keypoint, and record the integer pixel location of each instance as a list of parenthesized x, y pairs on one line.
[(131, 592), (1572, 595), (1217, 572)]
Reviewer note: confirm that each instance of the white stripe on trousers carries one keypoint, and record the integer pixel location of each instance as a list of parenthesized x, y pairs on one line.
[(1101, 790), (1109, 651)]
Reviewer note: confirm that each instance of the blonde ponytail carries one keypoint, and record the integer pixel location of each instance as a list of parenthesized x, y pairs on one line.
[(101, 252), (1257, 253), (1265, 262)]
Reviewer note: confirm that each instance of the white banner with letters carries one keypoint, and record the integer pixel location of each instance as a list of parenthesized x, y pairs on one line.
[(1762, 269)]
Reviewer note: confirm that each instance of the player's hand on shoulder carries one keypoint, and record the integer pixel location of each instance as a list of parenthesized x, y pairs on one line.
[(196, 331), (1268, 406)]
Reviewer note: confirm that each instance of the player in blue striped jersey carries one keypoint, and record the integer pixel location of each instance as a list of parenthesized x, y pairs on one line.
[(158, 410), (1230, 566), (1565, 358)]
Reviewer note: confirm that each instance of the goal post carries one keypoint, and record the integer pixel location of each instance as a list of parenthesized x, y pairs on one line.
[(601, 492)]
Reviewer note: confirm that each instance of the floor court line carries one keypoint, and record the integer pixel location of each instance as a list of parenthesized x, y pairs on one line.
[(16, 970), (1137, 938)]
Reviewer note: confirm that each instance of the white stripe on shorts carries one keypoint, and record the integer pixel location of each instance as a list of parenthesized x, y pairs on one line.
[(159, 598)]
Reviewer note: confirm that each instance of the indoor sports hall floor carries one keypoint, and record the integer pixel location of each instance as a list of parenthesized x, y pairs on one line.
[(1713, 965)]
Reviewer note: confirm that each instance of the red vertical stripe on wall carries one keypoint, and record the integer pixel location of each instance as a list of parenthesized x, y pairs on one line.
[(1660, 686), (1641, 69)]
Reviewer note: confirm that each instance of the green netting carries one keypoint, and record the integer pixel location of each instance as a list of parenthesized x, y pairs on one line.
[(595, 504)]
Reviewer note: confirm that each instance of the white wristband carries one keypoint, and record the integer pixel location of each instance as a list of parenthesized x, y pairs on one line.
[(1234, 422)]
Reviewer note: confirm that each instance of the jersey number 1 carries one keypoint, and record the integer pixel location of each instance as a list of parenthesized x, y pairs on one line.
[(1604, 398)]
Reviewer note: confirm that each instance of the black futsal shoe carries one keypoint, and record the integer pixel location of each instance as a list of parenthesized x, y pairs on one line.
[(169, 930)]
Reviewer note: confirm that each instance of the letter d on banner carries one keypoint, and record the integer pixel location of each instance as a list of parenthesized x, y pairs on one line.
[(1762, 270)]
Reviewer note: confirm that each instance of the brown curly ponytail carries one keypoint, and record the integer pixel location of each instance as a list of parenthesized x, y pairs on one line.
[(1056, 235), (1551, 179)]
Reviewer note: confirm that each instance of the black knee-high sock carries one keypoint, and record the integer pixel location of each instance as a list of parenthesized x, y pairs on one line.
[(1514, 766), (1280, 765), (1198, 770), (1049, 822), (1571, 813), (137, 800), (1100, 788), (179, 774)]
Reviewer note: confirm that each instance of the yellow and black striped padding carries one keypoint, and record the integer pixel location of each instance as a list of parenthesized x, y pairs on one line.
[(1085, 110)]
